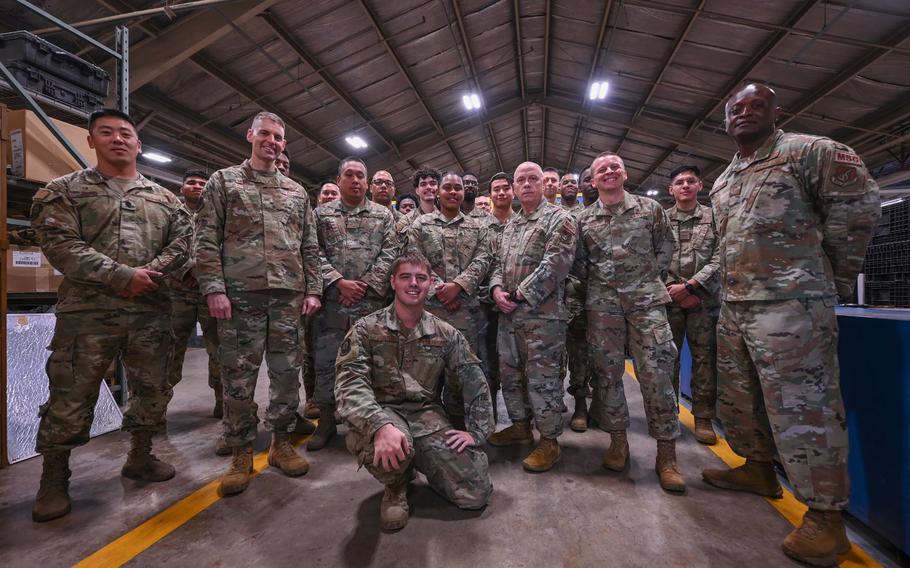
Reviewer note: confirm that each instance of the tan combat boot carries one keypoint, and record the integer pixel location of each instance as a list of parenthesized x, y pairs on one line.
[(617, 455), (667, 471), (819, 539), (704, 431), (142, 464), (579, 422), (518, 433), (53, 500), (237, 478), (544, 456), (221, 447), (303, 426), (283, 456), (310, 410), (394, 511), (218, 411), (325, 429), (751, 477)]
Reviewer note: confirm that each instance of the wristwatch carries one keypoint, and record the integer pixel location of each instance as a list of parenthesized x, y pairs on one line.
[(690, 288)]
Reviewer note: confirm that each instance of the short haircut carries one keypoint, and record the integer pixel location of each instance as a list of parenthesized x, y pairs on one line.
[(425, 172), (401, 198), (103, 112), (327, 182), (545, 170), (286, 153), (414, 258), (195, 172), (501, 175), (268, 116), (347, 159), (452, 173), (465, 174), (581, 174), (685, 168)]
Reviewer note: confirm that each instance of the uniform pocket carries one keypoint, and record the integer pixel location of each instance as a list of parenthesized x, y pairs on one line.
[(663, 333), (60, 366)]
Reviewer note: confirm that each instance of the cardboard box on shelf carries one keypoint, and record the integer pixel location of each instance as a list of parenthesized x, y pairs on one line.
[(28, 270), (36, 155)]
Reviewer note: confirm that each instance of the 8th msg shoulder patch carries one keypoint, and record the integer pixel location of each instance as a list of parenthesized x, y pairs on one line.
[(345, 347)]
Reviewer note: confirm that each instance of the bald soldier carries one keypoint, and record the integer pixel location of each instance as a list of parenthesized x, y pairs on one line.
[(528, 284), (390, 366), (382, 191), (624, 248), (257, 262), (794, 214), (114, 235), (357, 244)]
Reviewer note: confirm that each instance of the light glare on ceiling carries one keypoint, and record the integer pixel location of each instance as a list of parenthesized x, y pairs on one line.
[(356, 142), (156, 157), (598, 91), (471, 102)]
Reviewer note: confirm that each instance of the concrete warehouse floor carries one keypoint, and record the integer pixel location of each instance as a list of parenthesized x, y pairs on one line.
[(576, 515)]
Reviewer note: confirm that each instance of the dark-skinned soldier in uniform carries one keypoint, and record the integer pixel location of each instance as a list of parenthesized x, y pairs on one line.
[(624, 248), (357, 243), (693, 286), (577, 328), (113, 234), (528, 284), (390, 368), (794, 213), (257, 262)]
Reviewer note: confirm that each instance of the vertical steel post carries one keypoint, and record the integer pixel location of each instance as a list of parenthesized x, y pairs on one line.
[(123, 69)]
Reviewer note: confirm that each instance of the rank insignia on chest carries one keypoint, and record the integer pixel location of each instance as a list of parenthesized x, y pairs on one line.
[(127, 205)]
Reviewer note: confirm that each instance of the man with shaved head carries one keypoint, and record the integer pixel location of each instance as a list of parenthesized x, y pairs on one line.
[(625, 244), (794, 215), (528, 285), (382, 191)]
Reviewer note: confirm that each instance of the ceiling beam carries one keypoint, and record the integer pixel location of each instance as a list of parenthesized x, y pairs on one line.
[(519, 59), (151, 58), (331, 82), (664, 68)]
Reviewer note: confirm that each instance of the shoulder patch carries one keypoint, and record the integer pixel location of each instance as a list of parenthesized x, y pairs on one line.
[(345, 347), (842, 157), (843, 175)]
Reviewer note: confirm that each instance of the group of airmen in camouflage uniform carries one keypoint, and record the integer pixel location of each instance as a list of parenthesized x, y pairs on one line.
[(413, 322)]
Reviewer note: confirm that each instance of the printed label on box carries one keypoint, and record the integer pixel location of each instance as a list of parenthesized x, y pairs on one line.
[(25, 259), (18, 165)]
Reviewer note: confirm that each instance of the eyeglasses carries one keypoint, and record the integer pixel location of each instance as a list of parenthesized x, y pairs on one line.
[(386, 182)]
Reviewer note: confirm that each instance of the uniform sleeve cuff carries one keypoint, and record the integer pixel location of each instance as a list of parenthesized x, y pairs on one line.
[(121, 277)]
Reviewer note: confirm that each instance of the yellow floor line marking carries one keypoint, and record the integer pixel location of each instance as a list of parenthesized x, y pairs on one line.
[(141, 538), (789, 506)]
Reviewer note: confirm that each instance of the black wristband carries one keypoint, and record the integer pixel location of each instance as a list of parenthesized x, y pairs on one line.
[(690, 288)]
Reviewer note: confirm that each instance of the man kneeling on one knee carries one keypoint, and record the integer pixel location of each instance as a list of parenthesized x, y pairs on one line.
[(388, 376)]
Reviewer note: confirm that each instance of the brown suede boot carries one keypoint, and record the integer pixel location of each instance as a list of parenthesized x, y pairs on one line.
[(666, 468), (617, 455), (518, 433), (283, 456), (751, 477), (704, 431), (218, 411), (394, 510), (310, 410), (237, 478), (544, 456), (53, 500), (303, 426), (325, 429), (142, 464), (579, 422), (819, 539), (221, 447)]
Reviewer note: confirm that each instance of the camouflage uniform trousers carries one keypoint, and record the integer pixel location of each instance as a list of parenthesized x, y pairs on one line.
[(461, 478), (529, 370), (779, 389), (471, 322), (699, 326), (489, 353), (577, 355), (184, 315), (309, 370), (263, 322), (651, 346), (82, 349)]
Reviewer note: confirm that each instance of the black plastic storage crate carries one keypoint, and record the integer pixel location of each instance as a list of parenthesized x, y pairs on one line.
[(894, 224), (25, 48), (895, 293), (38, 81)]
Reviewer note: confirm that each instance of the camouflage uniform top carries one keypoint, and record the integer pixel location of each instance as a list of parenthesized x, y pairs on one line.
[(794, 219), (256, 231), (479, 214), (575, 290), (624, 254), (459, 251), (696, 253), (495, 227), (186, 288), (535, 255), (97, 235), (356, 243), (382, 367)]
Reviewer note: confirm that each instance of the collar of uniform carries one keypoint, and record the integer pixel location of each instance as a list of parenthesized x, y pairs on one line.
[(393, 323), (271, 178), (676, 214), (763, 153), (536, 213), (628, 202), (364, 205), (95, 177), (438, 216)]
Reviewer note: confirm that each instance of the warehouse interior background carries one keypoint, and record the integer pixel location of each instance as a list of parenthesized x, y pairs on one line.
[(480, 86)]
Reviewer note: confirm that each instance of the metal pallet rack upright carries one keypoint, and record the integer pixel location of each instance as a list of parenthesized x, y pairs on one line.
[(120, 53)]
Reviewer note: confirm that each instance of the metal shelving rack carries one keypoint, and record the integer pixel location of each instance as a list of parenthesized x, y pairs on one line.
[(120, 53)]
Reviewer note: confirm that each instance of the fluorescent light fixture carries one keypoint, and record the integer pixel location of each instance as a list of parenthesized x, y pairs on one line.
[(892, 201), (598, 91), (652, 192), (356, 142), (471, 102), (156, 157)]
